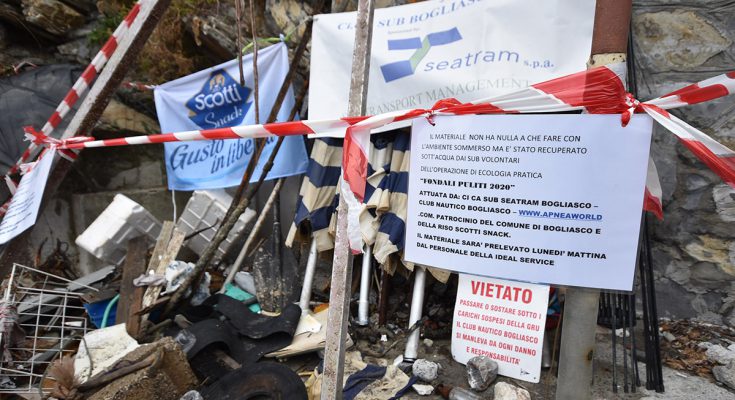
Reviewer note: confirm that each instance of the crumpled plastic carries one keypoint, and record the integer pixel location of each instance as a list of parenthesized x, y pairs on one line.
[(177, 272)]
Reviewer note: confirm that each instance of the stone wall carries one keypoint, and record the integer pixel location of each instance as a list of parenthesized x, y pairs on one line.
[(676, 43)]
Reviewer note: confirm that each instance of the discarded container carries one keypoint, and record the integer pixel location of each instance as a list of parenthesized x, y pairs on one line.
[(121, 221), (206, 209), (96, 313)]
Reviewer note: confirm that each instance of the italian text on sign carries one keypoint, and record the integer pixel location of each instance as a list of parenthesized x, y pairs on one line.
[(540, 198), (501, 320)]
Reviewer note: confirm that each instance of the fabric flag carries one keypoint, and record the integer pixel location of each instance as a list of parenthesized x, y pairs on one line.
[(214, 99), (383, 221)]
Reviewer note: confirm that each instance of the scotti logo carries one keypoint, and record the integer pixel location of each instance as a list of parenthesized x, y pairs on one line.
[(221, 102), (402, 69)]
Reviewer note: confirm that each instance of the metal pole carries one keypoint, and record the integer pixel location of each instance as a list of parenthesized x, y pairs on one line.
[(417, 305), (308, 277), (363, 304), (339, 296), (609, 44)]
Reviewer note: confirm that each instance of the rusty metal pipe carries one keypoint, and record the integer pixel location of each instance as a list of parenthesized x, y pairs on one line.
[(609, 44)]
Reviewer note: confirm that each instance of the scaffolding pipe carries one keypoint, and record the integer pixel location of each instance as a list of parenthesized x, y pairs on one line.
[(417, 305), (609, 44), (363, 305), (308, 277)]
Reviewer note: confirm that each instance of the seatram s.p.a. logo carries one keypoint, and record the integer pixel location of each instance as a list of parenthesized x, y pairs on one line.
[(449, 58), (220, 103), (404, 68)]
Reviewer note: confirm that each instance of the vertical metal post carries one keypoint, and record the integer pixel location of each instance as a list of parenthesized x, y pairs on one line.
[(609, 44), (363, 304), (411, 352), (308, 277), (339, 297)]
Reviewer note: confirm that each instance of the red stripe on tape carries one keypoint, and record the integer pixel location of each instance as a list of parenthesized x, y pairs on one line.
[(599, 90), (221, 133), (55, 119), (162, 138), (71, 98), (109, 47), (730, 74), (132, 14), (288, 128), (723, 166), (353, 120), (89, 74), (354, 165), (704, 94), (112, 142), (652, 204)]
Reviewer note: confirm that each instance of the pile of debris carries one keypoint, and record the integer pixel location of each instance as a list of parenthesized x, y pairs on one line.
[(699, 348)]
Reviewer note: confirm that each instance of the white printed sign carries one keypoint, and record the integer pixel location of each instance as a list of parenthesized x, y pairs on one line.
[(467, 49), (552, 199), (501, 320), (23, 208)]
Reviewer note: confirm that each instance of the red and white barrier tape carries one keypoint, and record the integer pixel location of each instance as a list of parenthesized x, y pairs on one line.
[(598, 90), (142, 87)]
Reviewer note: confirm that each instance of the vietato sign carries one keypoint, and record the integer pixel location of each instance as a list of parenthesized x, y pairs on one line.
[(553, 199), (501, 320)]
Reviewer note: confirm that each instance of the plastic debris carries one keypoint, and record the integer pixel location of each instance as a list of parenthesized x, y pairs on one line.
[(107, 237)]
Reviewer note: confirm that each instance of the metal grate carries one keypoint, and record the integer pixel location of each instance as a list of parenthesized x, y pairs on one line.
[(54, 322)]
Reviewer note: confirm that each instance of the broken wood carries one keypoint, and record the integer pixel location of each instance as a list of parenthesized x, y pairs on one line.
[(131, 296), (159, 264)]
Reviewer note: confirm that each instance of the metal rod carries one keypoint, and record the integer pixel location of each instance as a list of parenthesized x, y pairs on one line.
[(384, 293), (623, 301), (611, 297), (417, 306), (308, 277), (339, 296), (363, 304)]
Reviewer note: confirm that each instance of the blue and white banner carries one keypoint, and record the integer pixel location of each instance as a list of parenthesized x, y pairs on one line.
[(213, 98)]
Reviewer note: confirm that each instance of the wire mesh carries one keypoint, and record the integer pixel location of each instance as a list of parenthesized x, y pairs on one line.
[(53, 319)]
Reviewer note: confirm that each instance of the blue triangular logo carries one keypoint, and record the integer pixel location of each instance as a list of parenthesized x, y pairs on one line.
[(220, 103)]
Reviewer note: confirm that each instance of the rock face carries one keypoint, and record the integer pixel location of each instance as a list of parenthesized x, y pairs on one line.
[(53, 16), (694, 246), (725, 374)]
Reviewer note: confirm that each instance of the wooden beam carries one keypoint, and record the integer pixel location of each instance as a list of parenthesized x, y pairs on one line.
[(339, 295), (159, 264), (89, 113), (131, 296)]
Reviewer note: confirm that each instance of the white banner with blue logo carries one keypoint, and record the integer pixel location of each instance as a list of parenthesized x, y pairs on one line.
[(437, 49), (213, 98)]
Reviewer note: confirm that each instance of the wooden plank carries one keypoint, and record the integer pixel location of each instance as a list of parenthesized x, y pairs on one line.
[(161, 245), (88, 114), (339, 295), (131, 296), (172, 250)]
